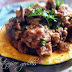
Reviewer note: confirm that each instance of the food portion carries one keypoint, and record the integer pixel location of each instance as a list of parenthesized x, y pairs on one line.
[(41, 30)]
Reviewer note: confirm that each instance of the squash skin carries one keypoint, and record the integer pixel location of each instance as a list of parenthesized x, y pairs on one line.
[(7, 50)]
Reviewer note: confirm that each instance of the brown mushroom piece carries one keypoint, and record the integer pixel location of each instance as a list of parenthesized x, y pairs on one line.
[(20, 13), (69, 36), (50, 4)]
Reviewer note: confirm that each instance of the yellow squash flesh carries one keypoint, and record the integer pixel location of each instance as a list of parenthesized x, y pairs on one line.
[(7, 50)]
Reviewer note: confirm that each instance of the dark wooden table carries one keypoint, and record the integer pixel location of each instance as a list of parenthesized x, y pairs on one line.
[(8, 2)]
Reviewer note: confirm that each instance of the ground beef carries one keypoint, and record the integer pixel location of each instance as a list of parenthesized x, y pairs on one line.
[(65, 10), (37, 5), (63, 46), (33, 21), (45, 50), (22, 47), (63, 33), (28, 11), (33, 37), (64, 13), (56, 38), (27, 34)]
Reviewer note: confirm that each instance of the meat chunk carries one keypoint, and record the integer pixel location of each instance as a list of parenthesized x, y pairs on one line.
[(17, 26), (14, 43), (33, 37), (33, 21), (28, 11), (63, 46), (36, 5), (63, 33), (50, 4), (15, 34), (22, 47), (65, 10), (45, 50), (64, 13), (56, 38)]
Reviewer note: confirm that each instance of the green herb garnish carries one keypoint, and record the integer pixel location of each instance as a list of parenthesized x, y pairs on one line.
[(30, 5), (23, 28), (58, 3), (43, 42), (48, 15), (8, 22), (36, 12)]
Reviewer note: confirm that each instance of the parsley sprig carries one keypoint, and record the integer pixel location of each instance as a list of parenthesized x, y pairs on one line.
[(43, 42), (58, 3), (36, 12), (48, 15), (30, 5)]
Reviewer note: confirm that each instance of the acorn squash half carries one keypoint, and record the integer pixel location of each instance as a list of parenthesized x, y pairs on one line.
[(7, 50)]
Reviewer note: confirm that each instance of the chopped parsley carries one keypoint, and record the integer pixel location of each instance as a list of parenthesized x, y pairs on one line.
[(30, 5), (58, 3), (48, 15), (23, 28), (36, 12), (43, 42)]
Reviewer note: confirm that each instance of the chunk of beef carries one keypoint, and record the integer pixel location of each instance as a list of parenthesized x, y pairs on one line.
[(59, 30), (33, 37), (15, 34), (45, 50), (65, 10), (63, 33), (17, 26), (36, 5), (28, 11), (50, 4), (56, 38), (63, 46), (33, 21), (22, 47), (14, 43)]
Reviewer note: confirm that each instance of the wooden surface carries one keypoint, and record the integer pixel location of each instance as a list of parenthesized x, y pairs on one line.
[(8, 2)]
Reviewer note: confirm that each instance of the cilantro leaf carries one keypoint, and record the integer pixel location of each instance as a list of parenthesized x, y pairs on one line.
[(36, 12), (48, 15), (43, 42), (23, 28), (58, 3), (30, 5)]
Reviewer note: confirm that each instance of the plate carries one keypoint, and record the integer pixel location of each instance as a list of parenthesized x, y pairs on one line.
[(8, 12)]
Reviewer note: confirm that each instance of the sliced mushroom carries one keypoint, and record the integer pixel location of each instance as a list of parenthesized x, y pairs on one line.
[(20, 13), (22, 9)]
